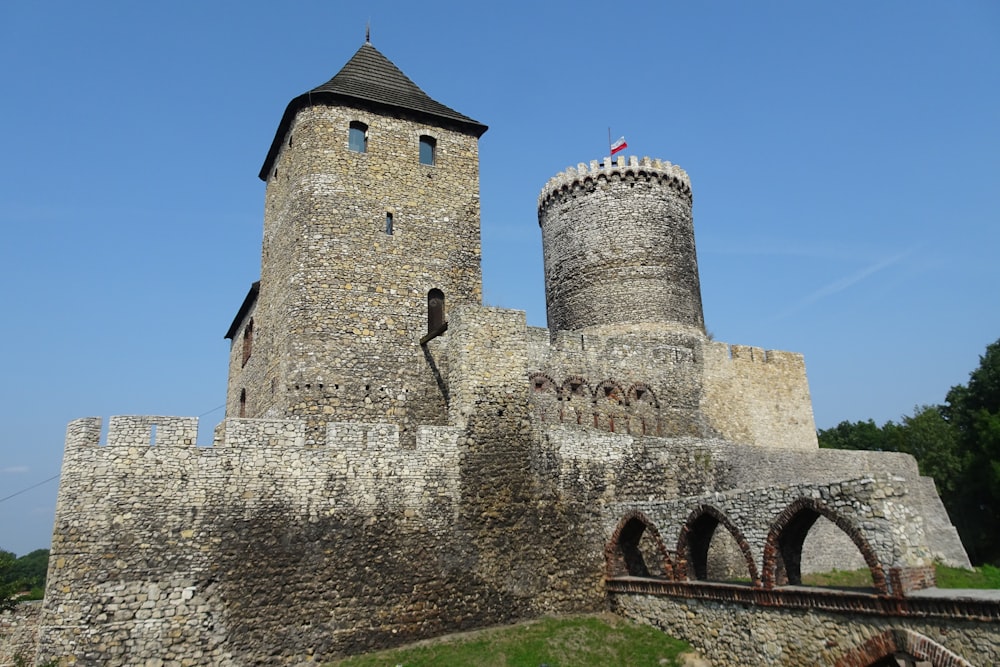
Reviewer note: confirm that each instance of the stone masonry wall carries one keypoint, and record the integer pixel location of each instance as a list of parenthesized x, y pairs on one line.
[(19, 634), (618, 246), (343, 302), (758, 397), (261, 554), (648, 379), (265, 550), (731, 634)]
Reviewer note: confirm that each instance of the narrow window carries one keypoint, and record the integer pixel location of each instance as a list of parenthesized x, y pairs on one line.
[(358, 141), (427, 149), (435, 310), (388, 224), (152, 435), (247, 341), (243, 402)]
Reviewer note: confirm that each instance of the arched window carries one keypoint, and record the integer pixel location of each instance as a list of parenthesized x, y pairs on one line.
[(435, 310), (427, 149), (247, 341), (358, 138)]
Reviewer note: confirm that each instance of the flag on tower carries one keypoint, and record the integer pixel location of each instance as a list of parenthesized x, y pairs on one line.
[(619, 145)]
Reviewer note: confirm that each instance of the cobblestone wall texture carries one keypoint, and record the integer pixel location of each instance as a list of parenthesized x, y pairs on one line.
[(372, 484), (343, 302), (19, 634), (618, 246), (732, 635)]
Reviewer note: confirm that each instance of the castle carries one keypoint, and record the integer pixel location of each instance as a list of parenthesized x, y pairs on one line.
[(398, 461)]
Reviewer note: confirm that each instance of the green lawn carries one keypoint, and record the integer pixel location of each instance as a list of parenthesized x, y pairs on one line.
[(582, 641), (986, 576)]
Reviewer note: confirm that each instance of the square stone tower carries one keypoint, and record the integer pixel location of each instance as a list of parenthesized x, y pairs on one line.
[(371, 235)]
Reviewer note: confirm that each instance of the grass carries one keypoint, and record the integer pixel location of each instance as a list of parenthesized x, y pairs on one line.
[(839, 579), (580, 641), (985, 576)]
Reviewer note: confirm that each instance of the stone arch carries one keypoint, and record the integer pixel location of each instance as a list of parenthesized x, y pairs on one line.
[(623, 555), (696, 537), (643, 410), (544, 395), (609, 407), (575, 395), (783, 549), (886, 648)]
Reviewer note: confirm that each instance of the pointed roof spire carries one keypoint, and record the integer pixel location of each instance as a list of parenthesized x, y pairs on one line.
[(368, 32), (370, 80)]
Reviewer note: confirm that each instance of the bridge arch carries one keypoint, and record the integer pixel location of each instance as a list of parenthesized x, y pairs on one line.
[(888, 648), (696, 537), (783, 548), (623, 555)]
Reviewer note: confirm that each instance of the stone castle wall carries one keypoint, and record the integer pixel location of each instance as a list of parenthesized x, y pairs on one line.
[(266, 549), (19, 634), (649, 380), (757, 396), (171, 551)]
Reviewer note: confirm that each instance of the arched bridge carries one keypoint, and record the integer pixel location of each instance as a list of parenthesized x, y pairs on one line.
[(659, 569)]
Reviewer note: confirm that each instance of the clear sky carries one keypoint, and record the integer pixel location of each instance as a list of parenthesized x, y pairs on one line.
[(844, 159)]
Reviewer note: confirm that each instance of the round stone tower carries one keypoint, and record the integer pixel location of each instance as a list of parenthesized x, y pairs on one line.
[(618, 243)]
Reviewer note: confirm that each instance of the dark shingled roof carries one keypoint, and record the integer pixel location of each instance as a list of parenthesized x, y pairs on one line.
[(248, 303), (369, 79)]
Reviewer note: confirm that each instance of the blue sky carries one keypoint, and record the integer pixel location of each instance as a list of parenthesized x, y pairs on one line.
[(844, 159)]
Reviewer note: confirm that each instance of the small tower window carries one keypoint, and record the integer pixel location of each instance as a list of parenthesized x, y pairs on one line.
[(358, 139), (388, 224), (428, 146), (247, 341), (243, 403), (435, 310)]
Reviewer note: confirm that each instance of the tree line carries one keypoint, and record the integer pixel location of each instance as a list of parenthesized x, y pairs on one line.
[(958, 444), (22, 578)]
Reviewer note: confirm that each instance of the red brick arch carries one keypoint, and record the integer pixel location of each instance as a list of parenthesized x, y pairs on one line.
[(696, 536), (887, 645), (783, 549), (622, 556)]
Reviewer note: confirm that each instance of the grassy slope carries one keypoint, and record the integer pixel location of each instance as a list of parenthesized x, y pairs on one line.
[(581, 641)]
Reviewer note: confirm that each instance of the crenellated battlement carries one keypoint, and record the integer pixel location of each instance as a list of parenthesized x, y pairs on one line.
[(647, 168), (134, 430), (749, 353)]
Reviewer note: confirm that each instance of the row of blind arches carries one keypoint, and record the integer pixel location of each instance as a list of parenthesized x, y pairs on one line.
[(358, 142), (637, 549)]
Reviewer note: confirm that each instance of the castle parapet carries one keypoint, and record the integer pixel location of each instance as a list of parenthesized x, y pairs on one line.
[(134, 431), (661, 170)]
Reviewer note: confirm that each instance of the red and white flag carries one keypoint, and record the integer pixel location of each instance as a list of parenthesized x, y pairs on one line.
[(619, 145)]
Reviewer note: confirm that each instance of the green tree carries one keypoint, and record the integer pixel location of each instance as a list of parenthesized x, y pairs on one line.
[(973, 410), (9, 587), (859, 435), (933, 441), (32, 568)]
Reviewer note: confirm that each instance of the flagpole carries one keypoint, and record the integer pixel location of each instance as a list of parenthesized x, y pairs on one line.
[(609, 140)]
